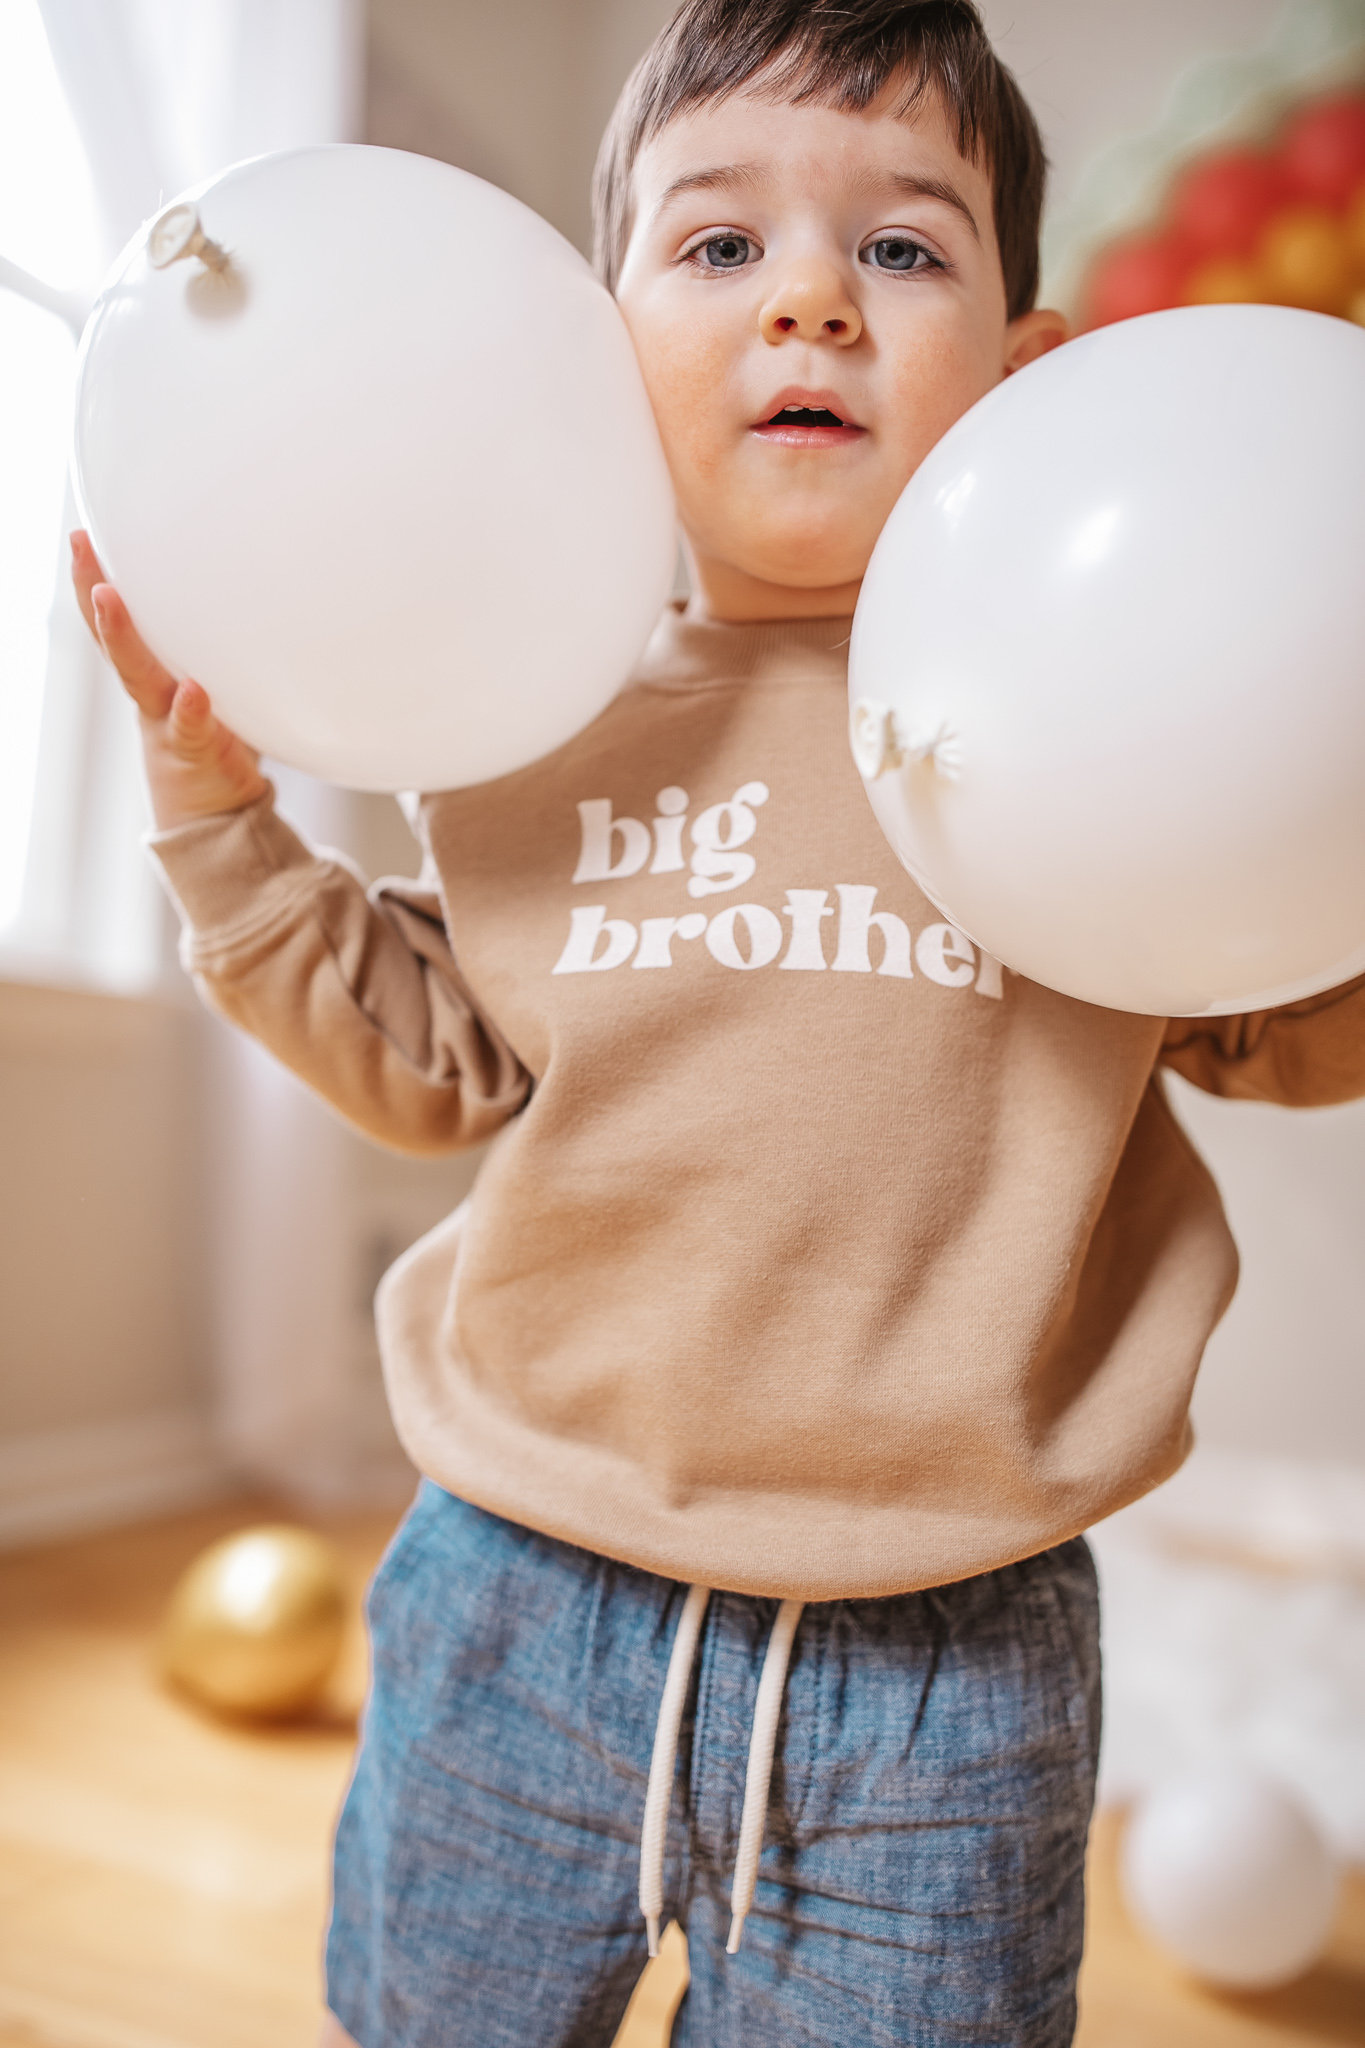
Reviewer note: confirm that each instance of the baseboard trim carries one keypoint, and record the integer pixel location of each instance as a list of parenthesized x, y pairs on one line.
[(68, 1482)]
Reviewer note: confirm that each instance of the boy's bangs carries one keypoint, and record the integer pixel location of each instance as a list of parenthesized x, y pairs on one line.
[(813, 70)]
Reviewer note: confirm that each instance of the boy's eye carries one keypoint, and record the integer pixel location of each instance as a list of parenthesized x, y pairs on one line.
[(723, 252), (897, 252)]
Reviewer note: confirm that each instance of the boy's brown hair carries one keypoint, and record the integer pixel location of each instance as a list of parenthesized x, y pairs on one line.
[(840, 53)]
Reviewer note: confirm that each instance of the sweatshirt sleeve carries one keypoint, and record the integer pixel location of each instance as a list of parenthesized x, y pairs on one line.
[(1305, 1055), (359, 994)]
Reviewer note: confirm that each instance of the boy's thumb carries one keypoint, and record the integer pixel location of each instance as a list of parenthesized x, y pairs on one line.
[(191, 714)]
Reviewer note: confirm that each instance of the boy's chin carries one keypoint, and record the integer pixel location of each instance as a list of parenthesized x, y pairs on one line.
[(806, 540), (794, 563)]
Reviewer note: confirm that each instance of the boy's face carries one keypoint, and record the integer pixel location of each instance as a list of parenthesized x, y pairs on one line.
[(842, 264)]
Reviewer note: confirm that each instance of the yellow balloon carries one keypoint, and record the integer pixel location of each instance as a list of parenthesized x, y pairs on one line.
[(1226, 281), (1305, 259), (255, 1625), (1354, 222)]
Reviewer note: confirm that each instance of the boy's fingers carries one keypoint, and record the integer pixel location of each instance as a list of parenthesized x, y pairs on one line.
[(86, 572), (150, 686)]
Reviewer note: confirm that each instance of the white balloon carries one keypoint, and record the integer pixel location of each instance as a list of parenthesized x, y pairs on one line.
[(1108, 665), (388, 485), (1225, 1870)]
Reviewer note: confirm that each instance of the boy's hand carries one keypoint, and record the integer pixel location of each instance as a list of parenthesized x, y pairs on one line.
[(195, 766)]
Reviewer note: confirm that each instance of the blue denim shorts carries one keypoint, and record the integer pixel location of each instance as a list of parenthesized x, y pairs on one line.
[(922, 1876)]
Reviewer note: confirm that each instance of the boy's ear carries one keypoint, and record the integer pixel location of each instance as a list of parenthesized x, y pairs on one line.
[(1032, 335)]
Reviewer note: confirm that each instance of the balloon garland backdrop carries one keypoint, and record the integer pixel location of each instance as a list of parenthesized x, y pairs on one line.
[(1280, 223)]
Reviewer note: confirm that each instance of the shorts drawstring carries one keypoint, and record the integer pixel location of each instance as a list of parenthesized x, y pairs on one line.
[(757, 1778), (659, 1797), (762, 1742)]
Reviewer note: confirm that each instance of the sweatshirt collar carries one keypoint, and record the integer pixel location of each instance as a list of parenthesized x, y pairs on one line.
[(686, 650)]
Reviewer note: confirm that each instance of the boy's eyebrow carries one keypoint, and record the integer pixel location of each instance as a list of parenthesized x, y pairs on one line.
[(905, 184), (708, 181), (910, 187)]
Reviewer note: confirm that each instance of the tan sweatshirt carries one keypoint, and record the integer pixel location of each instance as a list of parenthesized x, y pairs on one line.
[(815, 1257)]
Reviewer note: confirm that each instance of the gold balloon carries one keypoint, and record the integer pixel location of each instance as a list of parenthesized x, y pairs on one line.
[(255, 1625)]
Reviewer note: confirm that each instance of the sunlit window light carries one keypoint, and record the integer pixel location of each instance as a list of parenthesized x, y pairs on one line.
[(48, 227)]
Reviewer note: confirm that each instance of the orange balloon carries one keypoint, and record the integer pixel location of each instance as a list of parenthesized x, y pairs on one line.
[(1353, 222), (1305, 258), (1226, 281)]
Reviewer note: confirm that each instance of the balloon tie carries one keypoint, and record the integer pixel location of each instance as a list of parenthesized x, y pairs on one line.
[(879, 743), (943, 748)]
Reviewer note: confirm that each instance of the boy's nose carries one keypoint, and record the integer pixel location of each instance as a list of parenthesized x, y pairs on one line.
[(811, 303)]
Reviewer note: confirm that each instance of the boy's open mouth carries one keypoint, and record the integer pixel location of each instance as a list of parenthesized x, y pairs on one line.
[(805, 416), (807, 419)]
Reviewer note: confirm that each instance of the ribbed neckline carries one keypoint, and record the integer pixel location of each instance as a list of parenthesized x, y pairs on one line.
[(685, 650)]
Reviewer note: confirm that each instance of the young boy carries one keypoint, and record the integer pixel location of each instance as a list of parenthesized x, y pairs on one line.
[(817, 1267)]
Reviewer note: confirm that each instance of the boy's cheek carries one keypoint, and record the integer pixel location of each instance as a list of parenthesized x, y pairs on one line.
[(694, 452), (688, 389), (930, 395)]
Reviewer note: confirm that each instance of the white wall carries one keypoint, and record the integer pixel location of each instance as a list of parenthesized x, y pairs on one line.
[(1094, 70), (1285, 1374), (100, 1106), (518, 92), (103, 1360)]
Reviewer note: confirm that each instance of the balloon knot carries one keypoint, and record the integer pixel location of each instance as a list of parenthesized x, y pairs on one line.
[(943, 748), (879, 743), (873, 736)]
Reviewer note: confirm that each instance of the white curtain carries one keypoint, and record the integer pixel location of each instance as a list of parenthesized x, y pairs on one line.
[(164, 93)]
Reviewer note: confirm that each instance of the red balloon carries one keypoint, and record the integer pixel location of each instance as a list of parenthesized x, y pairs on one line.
[(1322, 150), (1221, 203), (1145, 275)]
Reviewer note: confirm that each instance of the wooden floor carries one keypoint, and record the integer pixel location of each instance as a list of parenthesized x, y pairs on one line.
[(163, 1877)]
